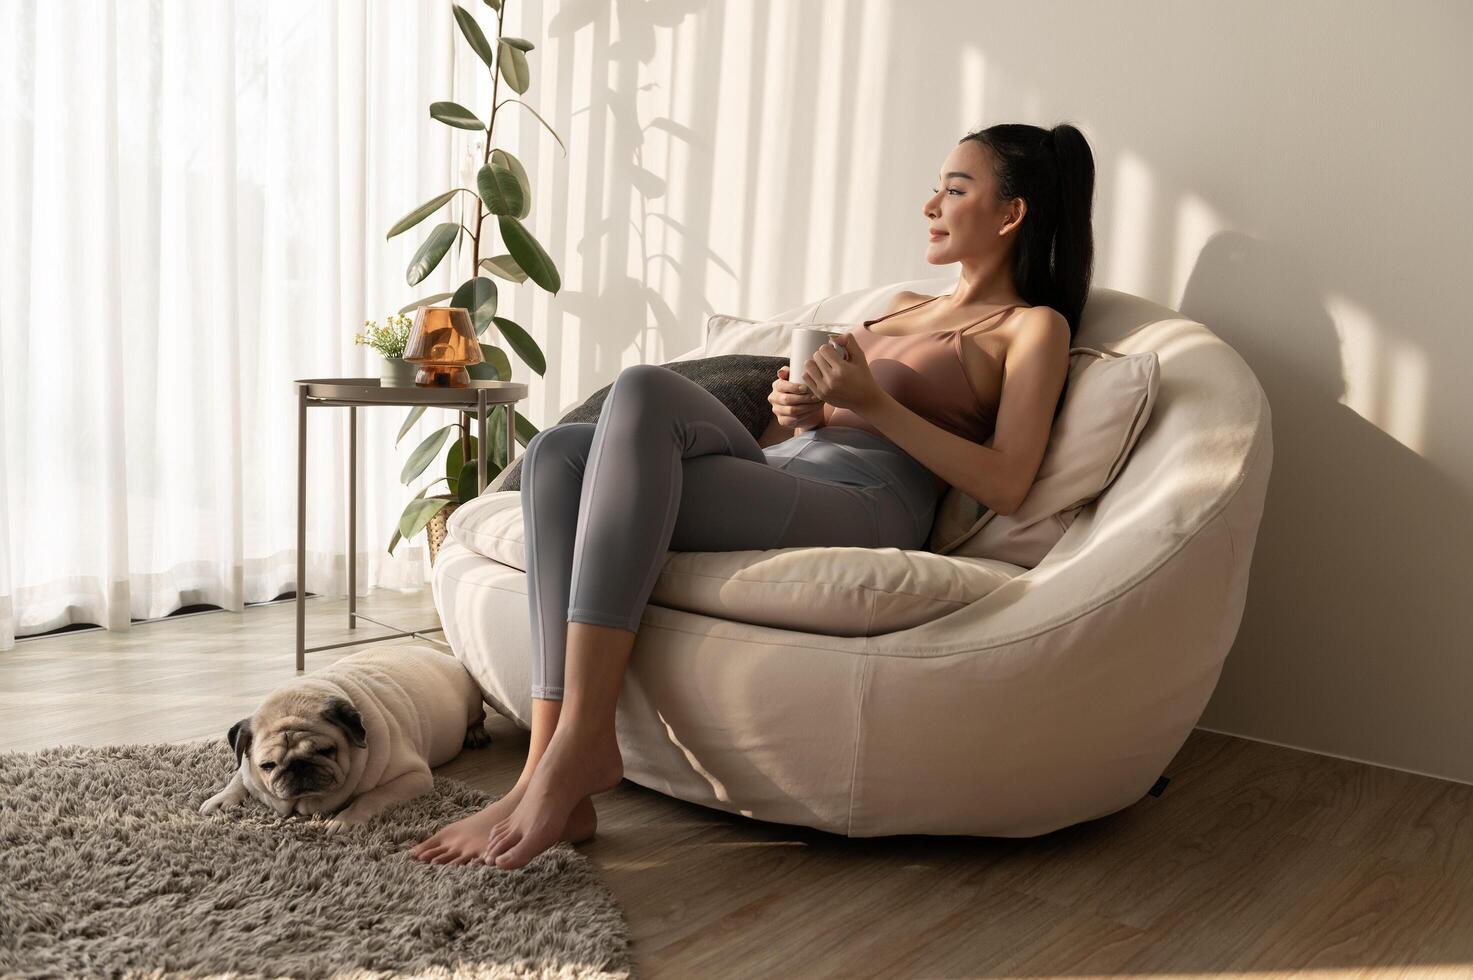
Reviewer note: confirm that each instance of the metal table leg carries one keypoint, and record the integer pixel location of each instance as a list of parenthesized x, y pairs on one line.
[(511, 431), (352, 517), (301, 527), (481, 449)]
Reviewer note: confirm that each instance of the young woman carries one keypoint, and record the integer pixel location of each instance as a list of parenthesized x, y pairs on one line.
[(860, 456)]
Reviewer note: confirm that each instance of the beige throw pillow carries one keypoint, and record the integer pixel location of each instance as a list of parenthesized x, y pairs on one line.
[(1107, 400)]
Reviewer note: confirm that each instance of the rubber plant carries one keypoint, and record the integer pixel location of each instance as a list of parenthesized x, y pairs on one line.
[(503, 191)]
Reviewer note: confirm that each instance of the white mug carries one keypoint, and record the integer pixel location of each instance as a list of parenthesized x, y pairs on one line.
[(805, 342)]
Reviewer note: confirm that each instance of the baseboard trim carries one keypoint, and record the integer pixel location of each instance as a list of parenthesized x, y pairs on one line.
[(1337, 755)]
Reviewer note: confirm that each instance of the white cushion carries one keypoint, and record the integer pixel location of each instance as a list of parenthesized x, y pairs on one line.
[(1107, 402), (728, 334), (835, 591)]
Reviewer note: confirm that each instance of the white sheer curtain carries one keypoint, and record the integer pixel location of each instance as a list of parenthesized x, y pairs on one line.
[(195, 197)]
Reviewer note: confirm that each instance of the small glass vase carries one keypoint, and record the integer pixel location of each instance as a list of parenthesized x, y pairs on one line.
[(443, 343), (395, 372)]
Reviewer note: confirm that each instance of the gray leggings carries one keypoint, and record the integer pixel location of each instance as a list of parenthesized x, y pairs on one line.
[(669, 467)]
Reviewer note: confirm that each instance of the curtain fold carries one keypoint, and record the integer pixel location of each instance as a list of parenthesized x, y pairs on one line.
[(195, 197)]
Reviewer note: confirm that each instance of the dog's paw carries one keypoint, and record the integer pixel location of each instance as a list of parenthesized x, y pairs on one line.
[(345, 818), (219, 801), (476, 737)]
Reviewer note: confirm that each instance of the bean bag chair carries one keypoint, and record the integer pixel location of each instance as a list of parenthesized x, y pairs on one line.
[(1007, 690)]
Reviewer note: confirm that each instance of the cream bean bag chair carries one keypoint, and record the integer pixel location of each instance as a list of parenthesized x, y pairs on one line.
[(881, 691)]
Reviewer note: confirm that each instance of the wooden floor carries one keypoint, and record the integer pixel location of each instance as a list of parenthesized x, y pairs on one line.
[(1256, 860)]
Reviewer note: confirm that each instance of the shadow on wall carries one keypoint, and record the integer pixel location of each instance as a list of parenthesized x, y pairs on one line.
[(768, 168), (1343, 562), (616, 304)]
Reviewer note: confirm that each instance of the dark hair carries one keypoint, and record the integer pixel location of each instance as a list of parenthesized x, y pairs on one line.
[(1054, 171)]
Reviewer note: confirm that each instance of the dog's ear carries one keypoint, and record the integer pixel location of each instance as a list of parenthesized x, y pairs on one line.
[(340, 712), (240, 737)]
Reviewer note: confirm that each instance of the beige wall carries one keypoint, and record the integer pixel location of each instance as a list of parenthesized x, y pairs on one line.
[(1292, 175)]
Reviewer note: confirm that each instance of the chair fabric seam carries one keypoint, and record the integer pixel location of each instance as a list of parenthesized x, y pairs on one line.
[(864, 675)]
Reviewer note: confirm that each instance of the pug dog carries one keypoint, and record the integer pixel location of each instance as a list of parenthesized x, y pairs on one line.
[(355, 737)]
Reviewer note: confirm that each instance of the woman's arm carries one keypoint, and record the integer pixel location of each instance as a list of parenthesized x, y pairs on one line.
[(899, 301), (1001, 475)]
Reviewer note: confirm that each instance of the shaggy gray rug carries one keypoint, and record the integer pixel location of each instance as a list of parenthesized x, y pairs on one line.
[(107, 868)]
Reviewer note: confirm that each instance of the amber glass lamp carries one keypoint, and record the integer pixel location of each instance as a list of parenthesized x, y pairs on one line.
[(443, 344)]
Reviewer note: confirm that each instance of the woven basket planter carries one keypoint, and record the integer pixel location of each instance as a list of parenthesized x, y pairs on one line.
[(435, 530)]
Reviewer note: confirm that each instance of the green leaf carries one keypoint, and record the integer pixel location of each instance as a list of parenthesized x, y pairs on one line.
[(455, 114), (479, 296), (543, 121), (500, 189), (426, 301), (495, 367), (420, 213), (498, 434), (393, 541), (496, 426), (518, 42), (432, 251), (513, 63), (464, 483), (418, 513), (454, 462), (468, 486), (494, 5), (528, 253), (473, 35), (409, 420), (521, 342), (505, 159), (497, 357), (504, 266), (423, 453)]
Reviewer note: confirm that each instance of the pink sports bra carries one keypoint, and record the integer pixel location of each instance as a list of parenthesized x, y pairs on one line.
[(925, 372)]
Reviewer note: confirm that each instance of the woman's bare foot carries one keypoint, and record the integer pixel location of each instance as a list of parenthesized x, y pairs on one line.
[(464, 840), (575, 766), (461, 841), (582, 822)]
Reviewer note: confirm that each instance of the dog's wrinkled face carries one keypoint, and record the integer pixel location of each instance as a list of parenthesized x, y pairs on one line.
[(296, 750)]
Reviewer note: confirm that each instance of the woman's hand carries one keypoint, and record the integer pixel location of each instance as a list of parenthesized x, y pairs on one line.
[(845, 383), (794, 406)]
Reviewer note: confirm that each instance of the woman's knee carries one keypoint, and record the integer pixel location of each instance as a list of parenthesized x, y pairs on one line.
[(643, 374), (641, 386), (566, 440), (644, 398)]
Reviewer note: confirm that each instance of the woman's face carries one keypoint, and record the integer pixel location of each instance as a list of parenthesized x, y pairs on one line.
[(963, 207)]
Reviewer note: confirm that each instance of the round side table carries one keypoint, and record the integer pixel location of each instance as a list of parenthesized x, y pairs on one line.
[(476, 399)]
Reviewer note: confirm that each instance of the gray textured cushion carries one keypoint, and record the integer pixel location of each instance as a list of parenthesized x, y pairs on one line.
[(741, 382)]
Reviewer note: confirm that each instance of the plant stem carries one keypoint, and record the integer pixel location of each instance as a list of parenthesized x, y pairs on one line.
[(486, 155), (476, 234)]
